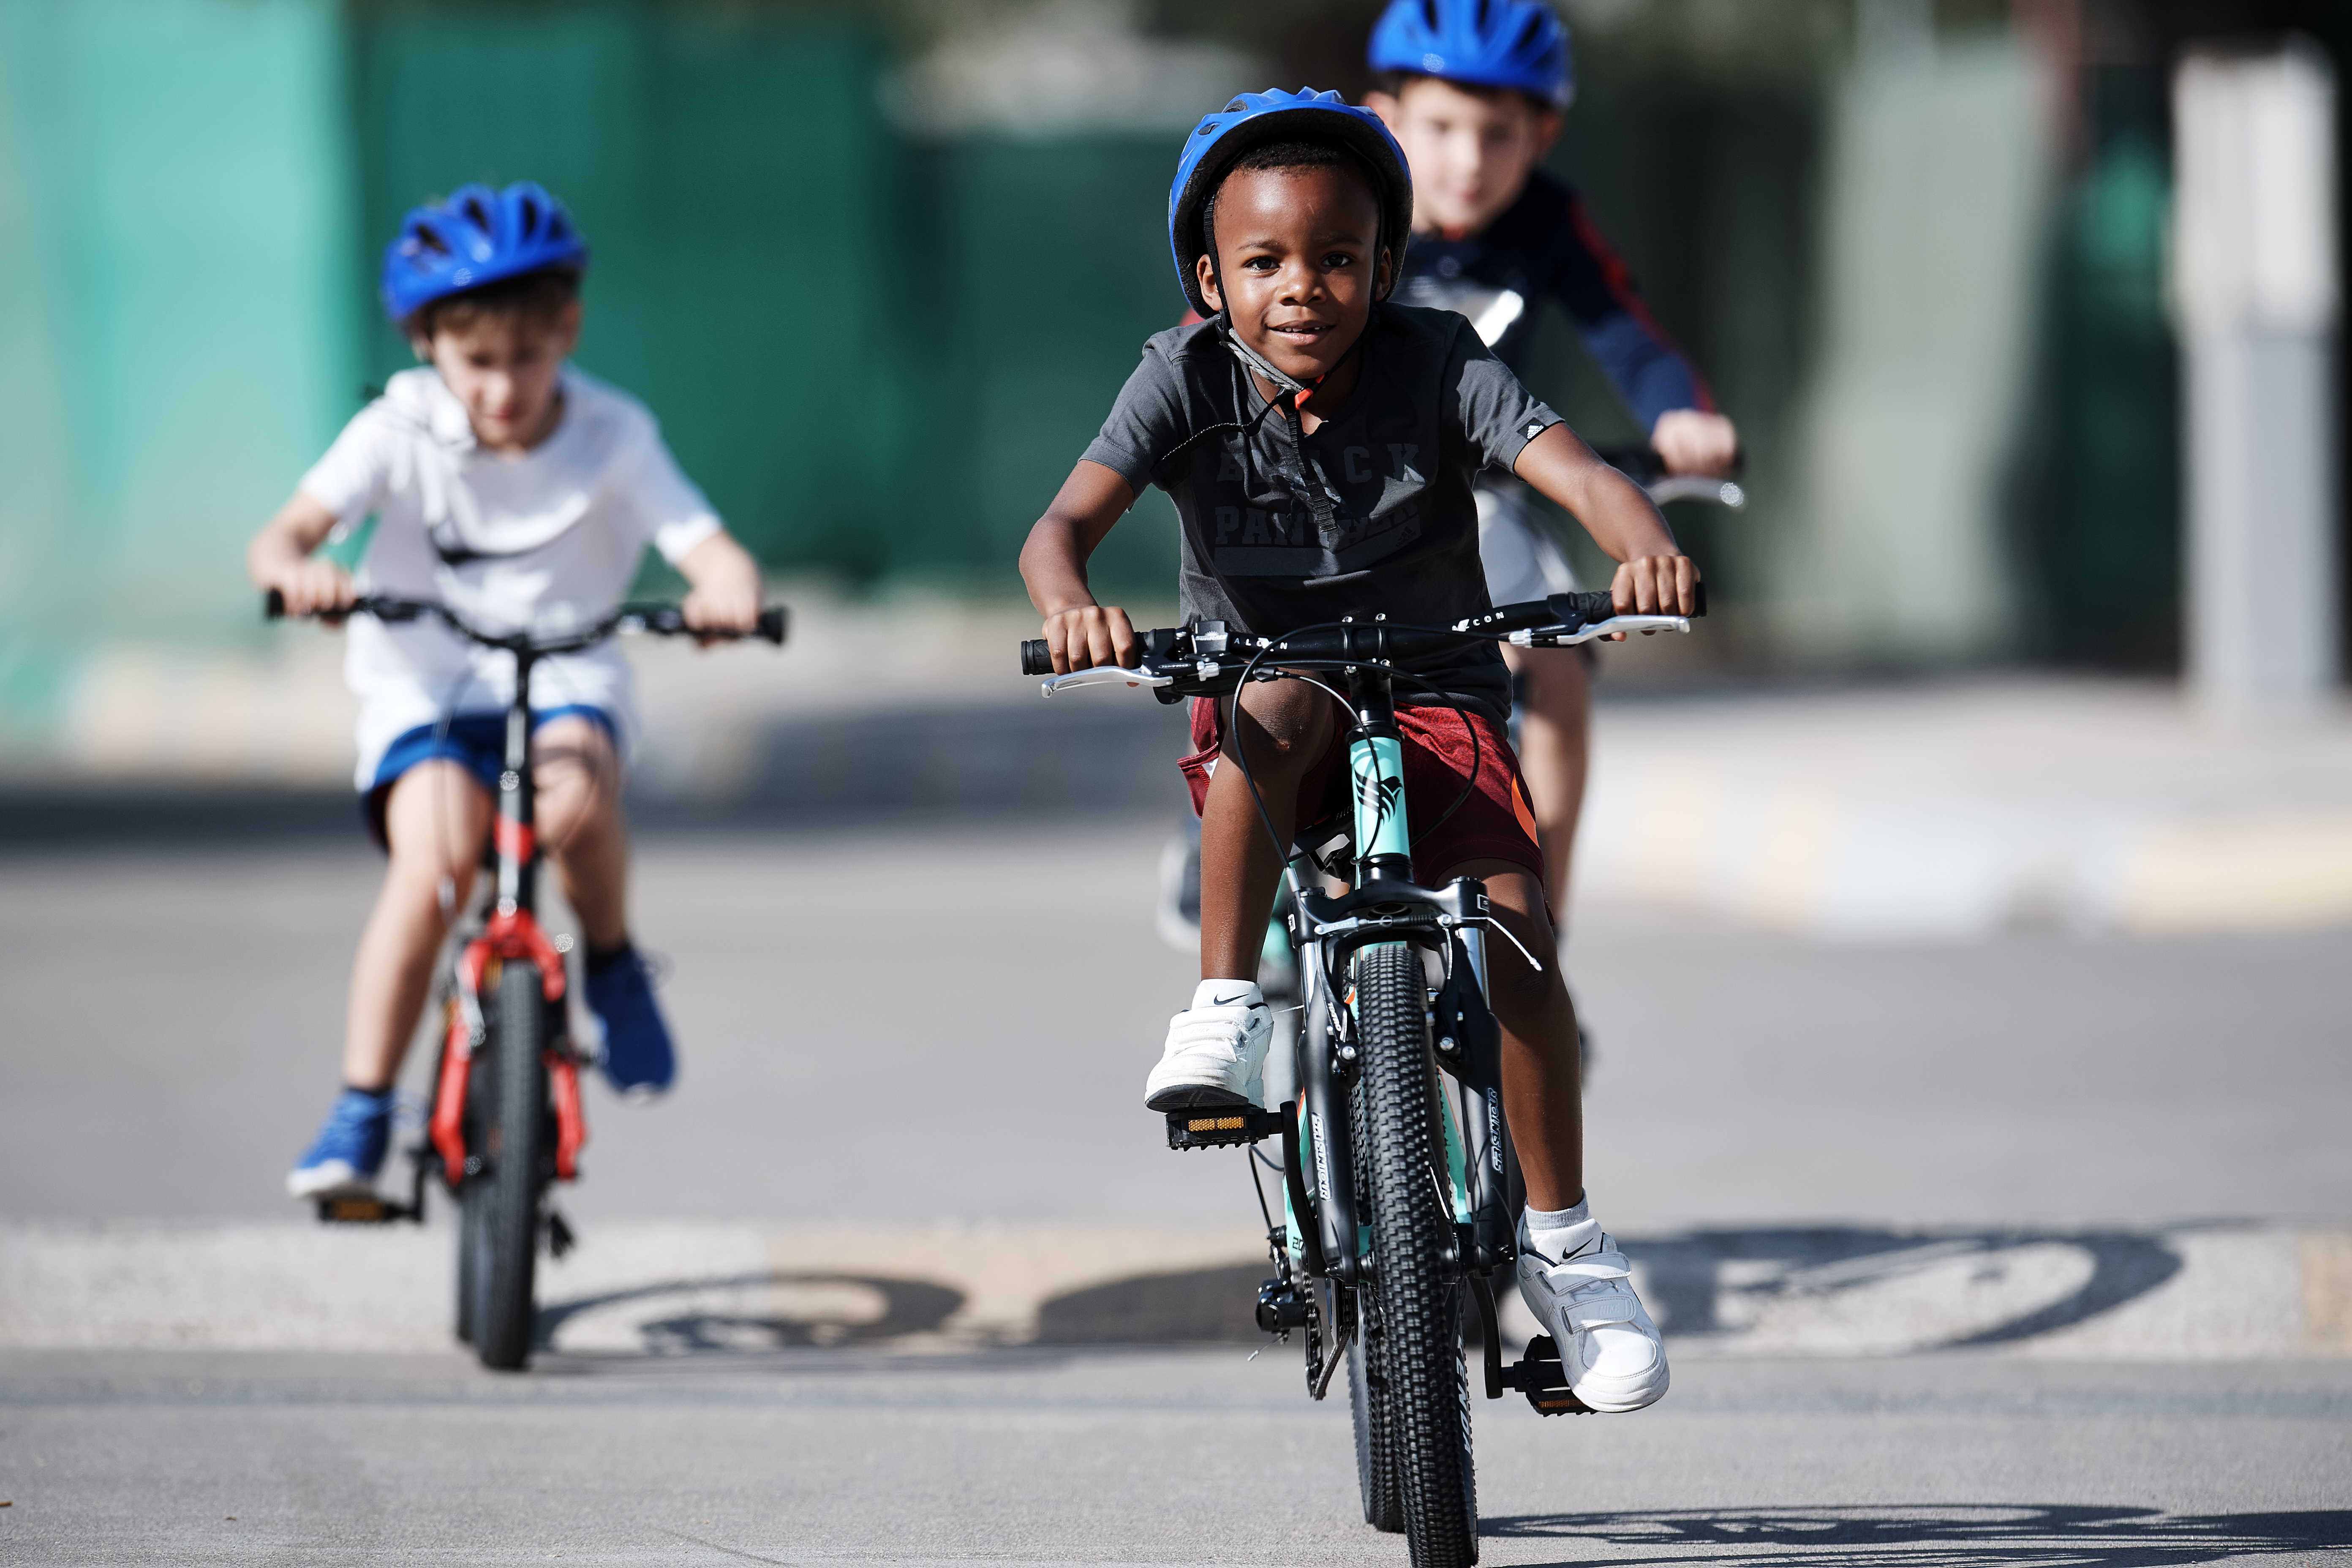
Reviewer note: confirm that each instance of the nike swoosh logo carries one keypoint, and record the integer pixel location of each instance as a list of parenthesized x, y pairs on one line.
[(1227, 1001)]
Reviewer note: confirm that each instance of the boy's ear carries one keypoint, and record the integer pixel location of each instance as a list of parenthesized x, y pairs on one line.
[(1548, 124), (1381, 279), (421, 346), (1206, 276), (567, 327), (1386, 105)]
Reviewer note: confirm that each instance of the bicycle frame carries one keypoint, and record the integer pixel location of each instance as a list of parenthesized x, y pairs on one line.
[(1386, 905), (511, 934)]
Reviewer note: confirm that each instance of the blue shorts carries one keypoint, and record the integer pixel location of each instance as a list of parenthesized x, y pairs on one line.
[(475, 741)]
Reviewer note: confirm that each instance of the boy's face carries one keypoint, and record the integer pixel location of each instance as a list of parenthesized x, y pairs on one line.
[(1471, 153), (503, 368), (1298, 248)]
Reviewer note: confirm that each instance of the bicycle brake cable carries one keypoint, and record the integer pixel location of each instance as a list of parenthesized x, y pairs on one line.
[(1241, 748)]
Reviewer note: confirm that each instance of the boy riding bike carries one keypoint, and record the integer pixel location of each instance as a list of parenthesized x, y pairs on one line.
[(1474, 91), (1320, 445), (517, 490)]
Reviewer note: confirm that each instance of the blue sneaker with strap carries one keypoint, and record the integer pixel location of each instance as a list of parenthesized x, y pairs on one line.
[(640, 1059), (344, 1159)]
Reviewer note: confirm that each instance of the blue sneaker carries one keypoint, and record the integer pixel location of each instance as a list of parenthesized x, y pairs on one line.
[(639, 1060), (349, 1149)]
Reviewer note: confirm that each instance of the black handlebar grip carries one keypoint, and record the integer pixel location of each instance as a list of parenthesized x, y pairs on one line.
[(273, 605), (1035, 657), (771, 624), (1581, 609), (1698, 599)]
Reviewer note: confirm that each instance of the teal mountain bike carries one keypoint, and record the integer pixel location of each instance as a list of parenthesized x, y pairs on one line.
[(1400, 1188)]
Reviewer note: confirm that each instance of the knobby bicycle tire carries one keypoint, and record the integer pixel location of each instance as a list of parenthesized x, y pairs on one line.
[(508, 1189), (470, 1245), (1413, 1230), (1368, 1406), (469, 1258)]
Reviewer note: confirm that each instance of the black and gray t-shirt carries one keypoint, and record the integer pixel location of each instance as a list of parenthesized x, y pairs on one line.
[(1391, 469)]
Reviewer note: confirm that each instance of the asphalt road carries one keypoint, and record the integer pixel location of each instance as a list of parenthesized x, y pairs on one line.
[(950, 1024), (1029, 1457), (924, 1026)]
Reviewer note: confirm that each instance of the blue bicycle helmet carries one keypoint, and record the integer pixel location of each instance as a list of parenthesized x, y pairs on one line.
[(1257, 119), (1517, 43), (477, 235)]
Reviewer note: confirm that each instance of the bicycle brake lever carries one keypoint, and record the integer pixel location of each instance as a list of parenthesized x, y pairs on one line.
[(1103, 675), (1540, 637)]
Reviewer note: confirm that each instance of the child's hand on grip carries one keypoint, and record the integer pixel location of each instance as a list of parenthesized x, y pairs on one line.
[(1655, 586), (1086, 635), (313, 586)]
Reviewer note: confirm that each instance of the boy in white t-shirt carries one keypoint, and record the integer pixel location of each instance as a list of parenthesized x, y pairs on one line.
[(510, 486)]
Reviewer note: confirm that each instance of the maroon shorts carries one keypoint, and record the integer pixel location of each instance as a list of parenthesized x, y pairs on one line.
[(1493, 823)]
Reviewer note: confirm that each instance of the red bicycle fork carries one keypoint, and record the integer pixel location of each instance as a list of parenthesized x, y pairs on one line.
[(511, 936)]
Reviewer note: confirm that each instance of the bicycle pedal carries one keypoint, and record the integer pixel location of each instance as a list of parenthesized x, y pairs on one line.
[(1212, 1126), (369, 1209), (1544, 1380)]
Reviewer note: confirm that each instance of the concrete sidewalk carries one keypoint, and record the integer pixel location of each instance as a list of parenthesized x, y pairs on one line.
[(2183, 1293), (1961, 807)]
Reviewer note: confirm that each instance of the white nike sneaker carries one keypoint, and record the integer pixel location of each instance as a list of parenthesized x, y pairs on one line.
[(1609, 1347), (1216, 1049)]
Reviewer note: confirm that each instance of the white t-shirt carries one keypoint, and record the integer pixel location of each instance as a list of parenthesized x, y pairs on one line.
[(506, 541)]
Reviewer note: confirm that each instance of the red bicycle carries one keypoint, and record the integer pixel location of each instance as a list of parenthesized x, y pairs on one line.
[(507, 1122)]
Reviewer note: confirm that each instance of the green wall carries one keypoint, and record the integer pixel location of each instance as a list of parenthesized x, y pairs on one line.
[(175, 337), (2097, 482), (880, 358), (741, 197), (1050, 269)]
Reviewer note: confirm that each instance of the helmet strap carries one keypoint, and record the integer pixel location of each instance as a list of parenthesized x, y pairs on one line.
[(1294, 392), (1290, 391)]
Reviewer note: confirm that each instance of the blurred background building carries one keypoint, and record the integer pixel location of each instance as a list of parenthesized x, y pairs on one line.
[(880, 267)]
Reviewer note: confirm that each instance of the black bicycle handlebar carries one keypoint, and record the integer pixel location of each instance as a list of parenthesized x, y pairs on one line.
[(1180, 652), (661, 620)]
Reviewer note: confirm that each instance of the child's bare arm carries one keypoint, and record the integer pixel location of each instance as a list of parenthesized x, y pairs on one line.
[(279, 557), (1080, 633), (724, 583), (1653, 576)]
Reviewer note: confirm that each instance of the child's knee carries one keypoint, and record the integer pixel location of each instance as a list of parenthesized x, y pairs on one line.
[(1286, 723), (579, 779), (574, 809), (576, 801), (1521, 990)]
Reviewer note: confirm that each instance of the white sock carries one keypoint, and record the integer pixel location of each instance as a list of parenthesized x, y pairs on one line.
[(1559, 1235), (1228, 994)]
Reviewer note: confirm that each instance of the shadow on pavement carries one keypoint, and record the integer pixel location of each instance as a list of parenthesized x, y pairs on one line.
[(1846, 1290), (1201, 1306), (1891, 1536), (1690, 1281), (753, 1313)]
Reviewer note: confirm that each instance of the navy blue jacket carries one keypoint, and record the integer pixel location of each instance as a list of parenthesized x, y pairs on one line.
[(1544, 245)]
